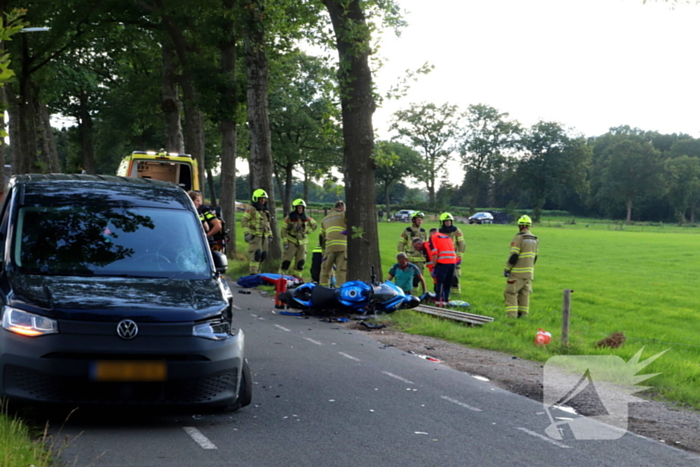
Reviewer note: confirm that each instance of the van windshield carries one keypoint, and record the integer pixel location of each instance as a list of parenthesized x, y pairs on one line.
[(106, 240)]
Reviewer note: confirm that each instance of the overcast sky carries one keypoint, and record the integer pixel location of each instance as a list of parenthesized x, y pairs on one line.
[(588, 64)]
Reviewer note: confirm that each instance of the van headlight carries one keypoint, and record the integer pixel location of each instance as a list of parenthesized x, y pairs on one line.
[(27, 324), (215, 329)]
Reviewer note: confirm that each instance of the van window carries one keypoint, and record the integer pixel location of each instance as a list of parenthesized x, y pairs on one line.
[(110, 241)]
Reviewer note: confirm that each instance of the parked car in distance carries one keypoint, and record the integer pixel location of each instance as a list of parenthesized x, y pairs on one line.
[(403, 215), (110, 295), (481, 218)]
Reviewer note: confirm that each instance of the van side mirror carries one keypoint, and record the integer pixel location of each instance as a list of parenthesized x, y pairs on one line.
[(220, 262)]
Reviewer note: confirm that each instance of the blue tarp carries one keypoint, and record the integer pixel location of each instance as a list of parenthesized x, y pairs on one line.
[(268, 279)]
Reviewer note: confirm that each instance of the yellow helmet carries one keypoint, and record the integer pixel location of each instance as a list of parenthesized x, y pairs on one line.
[(298, 202), (259, 193), (525, 220), (446, 216), (418, 214)]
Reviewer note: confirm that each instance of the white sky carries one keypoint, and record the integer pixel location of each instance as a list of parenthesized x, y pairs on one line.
[(587, 64)]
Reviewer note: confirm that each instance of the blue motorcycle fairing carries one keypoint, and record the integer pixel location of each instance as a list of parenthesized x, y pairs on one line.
[(389, 296), (354, 294), (304, 291)]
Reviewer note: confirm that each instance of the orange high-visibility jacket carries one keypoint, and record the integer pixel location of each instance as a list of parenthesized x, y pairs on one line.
[(443, 249)]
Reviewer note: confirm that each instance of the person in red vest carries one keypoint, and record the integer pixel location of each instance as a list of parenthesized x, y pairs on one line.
[(444, 262)]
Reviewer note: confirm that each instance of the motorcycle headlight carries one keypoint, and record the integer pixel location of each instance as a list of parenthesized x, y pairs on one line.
[(27, 324), (214, 329)]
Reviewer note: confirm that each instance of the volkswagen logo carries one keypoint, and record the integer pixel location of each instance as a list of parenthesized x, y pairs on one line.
[(127, 329)]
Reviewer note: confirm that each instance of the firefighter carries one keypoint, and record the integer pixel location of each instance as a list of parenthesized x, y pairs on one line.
[(444, 260), (335, 244), (425, 249), (256, 230), (520, 270), (406, 243), (447, 227), (295, 231)]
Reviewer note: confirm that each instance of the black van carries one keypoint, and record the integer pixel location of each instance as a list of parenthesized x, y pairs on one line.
[(111, 295)]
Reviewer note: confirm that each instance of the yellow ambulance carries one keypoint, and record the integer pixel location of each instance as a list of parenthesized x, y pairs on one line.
[(180, 169)]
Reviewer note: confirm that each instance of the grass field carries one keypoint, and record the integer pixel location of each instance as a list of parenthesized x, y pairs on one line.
[(640, 280)]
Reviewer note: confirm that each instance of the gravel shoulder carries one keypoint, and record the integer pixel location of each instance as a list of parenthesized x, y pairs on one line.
[(673, 425)]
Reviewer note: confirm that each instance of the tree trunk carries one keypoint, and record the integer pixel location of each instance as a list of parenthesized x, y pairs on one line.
[(13, 126), (288, 180), (692, 211), (85, 131), (210, 185), (194, 121), (228, 129), (628, 221), (357, 103), (170, 102), (26, 147), (49, 140), (258, 119), (194, 129), (306, 185), (387, 206)]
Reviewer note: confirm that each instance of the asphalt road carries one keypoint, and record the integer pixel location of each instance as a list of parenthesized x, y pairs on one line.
[(327, 396)]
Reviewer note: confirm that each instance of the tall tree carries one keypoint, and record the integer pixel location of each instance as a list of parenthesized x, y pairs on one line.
[(683, 179), (352, 35), (487, 137), (634, 172), (11, 24), (261, 165), (230, 103), (395, 162), (432, 131), (553, 160), (303, 119)]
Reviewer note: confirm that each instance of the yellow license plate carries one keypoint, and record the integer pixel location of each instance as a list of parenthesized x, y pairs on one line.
[(129, 371)]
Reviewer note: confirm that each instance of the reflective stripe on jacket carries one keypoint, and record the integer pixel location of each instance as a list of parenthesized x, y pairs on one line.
[(525, 246), (443, 249), (297, 231), (332, 228), (256, 223)]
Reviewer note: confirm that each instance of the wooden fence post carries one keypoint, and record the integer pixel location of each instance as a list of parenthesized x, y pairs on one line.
[(566, 316)]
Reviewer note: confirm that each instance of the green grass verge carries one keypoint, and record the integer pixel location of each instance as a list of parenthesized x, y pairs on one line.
[(640, 280), (18, 448)]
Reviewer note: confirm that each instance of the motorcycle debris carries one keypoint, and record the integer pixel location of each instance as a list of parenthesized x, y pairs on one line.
[(372, 325), (291, 313), (244, 291), (425, 357)]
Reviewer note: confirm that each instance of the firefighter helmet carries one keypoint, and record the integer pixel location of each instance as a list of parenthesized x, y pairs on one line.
[(259, 193), (525, 220), (298, 202), (418, 214), (446, 216)]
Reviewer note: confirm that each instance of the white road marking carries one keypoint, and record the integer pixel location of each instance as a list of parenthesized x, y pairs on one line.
[(546, 438), (199, 438), (398, 377), (462, 404), (312, 341), (283, 328), (236, 307), (349, 356)]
